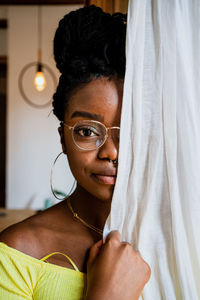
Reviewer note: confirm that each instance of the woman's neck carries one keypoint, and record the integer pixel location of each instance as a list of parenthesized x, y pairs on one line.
[(92, 210)]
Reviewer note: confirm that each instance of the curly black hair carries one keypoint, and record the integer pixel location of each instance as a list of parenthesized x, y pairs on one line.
[(88, 44)]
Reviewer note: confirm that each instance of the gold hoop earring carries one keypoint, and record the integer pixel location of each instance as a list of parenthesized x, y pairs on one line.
[(54, 192)]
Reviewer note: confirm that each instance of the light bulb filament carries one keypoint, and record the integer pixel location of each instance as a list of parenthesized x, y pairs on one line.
[(39, 80)]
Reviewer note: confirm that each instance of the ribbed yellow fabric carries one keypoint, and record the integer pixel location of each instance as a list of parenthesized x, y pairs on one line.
[(25, 277)]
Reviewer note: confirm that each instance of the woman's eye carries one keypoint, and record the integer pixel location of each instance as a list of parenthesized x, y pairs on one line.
[(86, 132)]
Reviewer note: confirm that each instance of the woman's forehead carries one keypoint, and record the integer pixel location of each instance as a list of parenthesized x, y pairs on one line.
[(99, 98)]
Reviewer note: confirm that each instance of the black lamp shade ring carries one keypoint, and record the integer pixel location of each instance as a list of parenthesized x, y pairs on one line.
[(20, 83)]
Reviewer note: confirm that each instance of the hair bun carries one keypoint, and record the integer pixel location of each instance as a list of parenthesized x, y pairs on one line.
[(83, 33)]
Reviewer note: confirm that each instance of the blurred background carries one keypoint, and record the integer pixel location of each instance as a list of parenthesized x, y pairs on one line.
[(28, 130)]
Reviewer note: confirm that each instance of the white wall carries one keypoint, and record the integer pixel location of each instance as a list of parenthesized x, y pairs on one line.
[(32, 138)]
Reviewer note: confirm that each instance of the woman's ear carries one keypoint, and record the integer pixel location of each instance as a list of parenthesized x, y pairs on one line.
[(62, 140)]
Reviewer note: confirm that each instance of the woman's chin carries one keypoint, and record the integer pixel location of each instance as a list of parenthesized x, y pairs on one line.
[(104, 194)]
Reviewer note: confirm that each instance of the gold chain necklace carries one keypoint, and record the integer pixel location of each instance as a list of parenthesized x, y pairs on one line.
[(81, 220)]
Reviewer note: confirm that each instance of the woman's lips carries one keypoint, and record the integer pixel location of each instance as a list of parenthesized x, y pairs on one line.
[(105, 179)]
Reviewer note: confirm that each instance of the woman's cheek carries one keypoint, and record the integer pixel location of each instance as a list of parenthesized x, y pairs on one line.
[(80, 163)]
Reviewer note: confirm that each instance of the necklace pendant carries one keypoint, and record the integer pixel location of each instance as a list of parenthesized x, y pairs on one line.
[(99, 231)]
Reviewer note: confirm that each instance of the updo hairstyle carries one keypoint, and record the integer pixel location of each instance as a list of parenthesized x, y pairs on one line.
[(88, 44)]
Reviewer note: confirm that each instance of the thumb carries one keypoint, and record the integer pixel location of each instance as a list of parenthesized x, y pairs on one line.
[(94, 252)]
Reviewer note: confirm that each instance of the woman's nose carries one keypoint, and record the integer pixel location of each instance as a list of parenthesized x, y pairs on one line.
[(110, 148)]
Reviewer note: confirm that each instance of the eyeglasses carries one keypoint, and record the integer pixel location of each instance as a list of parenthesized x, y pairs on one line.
[(89, 134)]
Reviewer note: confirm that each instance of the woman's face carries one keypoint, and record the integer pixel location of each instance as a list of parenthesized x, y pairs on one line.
[(99, 100)]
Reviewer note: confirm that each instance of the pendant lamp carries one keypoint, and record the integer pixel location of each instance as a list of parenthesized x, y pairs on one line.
[(41, 70)]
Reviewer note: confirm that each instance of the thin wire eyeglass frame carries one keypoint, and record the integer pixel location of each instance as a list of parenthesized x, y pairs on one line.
[(94, 121)]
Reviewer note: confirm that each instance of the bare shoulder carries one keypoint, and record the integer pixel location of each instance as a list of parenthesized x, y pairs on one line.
[(33, 236), (23, 236), (54, 230)]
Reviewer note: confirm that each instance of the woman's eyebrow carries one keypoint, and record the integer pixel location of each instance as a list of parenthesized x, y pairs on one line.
[(87, 115)]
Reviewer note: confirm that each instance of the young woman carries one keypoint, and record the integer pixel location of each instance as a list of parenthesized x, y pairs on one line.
[(38, 255)]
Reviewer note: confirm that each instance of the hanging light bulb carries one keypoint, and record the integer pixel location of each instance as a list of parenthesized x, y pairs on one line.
[(39, 80)]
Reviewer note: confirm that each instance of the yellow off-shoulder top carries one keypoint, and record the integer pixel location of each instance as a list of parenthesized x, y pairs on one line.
[(25, 277)]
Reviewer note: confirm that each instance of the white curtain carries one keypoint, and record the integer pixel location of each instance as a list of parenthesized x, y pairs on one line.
[(156, 202)]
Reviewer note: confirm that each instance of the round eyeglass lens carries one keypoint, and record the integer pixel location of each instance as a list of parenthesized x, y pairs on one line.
[(89, 135)]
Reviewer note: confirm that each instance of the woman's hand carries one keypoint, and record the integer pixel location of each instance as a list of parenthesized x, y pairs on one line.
[(115, 271)]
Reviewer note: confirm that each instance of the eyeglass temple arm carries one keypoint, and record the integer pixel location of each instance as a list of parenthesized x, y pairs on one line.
[(64, 124), (114, 127)]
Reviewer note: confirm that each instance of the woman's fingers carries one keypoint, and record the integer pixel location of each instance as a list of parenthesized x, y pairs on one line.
[(113, 235), (94, 251)]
